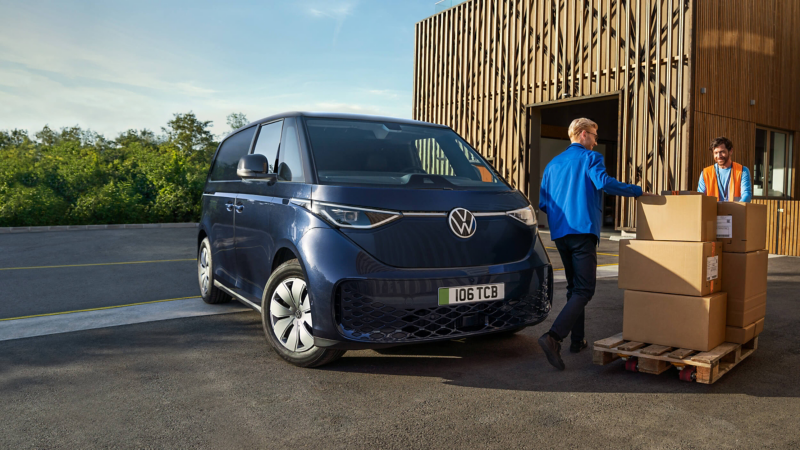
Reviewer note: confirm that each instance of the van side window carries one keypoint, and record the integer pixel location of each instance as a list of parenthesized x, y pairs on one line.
[(290, 166), (229, 154), (269, 137)]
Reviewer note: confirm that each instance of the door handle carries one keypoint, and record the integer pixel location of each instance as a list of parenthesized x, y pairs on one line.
[(229, 206), (239, 208)]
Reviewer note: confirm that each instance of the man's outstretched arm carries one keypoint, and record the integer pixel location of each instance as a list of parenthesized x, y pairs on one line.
[(610, 185), (747, 185)]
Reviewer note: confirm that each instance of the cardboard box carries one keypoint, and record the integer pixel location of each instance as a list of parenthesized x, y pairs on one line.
[(742, 227), (742, 313), (759, 326), (691, 218), (740, 335), (669, 267), (745, 273), (680, 321)]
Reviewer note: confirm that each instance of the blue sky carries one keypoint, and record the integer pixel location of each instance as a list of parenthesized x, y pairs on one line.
[(113, 65)]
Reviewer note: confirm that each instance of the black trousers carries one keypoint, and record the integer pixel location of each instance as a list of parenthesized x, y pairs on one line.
[(579, 255)]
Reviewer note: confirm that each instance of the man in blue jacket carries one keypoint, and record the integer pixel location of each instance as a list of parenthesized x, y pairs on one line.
[(572, 199)]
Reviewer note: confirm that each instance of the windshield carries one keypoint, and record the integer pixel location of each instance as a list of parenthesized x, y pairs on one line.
[(361, 152)]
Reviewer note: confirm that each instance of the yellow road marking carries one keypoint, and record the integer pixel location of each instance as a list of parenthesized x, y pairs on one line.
[(605, 254), (98, 264), (96, 309), (599, 265)]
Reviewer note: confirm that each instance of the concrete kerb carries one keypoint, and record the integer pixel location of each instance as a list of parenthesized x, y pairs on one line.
[(11, 230)]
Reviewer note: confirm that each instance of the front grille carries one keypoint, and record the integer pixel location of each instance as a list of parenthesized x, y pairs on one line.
[(362, 318)]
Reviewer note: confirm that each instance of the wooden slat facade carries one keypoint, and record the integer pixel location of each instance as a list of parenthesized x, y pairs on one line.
[(783, 227), (480, 67), (484, 67), (747, 50)]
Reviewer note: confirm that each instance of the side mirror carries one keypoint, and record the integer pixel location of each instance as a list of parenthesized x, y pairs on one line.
[(284, 172), (254, 166)]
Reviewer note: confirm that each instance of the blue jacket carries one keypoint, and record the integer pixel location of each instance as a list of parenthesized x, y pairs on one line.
[(570, 194)]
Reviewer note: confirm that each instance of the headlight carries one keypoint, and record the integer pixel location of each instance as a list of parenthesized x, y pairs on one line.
[(352, 217), (524, 215)]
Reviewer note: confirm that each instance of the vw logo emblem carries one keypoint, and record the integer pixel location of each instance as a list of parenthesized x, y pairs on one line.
[(462, 222)]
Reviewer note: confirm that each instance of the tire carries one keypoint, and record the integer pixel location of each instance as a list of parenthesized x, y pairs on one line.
[(205, 276), (287, 317)]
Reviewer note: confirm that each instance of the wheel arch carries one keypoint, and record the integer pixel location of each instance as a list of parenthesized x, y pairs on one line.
[(200, 236), (283, 255)]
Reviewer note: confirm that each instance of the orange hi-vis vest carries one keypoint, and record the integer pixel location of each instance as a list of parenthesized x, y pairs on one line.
[(712, 188)]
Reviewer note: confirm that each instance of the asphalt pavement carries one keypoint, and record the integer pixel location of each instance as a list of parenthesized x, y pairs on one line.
[(213, 382)]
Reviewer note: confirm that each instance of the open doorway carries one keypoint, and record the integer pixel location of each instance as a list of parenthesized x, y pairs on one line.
[(549, 137)]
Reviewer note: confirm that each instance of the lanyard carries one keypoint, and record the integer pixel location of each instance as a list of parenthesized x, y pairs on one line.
[(724, 188)]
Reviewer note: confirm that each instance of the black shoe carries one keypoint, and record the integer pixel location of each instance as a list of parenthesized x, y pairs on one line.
[(577, 346), (552, 349)]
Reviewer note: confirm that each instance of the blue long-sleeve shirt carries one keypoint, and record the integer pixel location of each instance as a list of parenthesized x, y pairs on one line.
[(571, 192), (724, 179)]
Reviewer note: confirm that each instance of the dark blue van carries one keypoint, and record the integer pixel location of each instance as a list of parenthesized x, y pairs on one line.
[(351, 232)]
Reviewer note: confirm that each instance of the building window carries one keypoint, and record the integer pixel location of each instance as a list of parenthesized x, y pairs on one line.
[(772, 170)]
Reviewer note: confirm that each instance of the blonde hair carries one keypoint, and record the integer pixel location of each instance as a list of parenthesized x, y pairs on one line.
[(578, 125)]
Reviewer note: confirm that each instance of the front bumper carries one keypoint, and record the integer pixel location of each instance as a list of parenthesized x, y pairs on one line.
[(360, 303), (366, 311)]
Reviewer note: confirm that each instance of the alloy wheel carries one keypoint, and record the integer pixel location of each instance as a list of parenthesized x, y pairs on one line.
[(203, 271), (290, 315)]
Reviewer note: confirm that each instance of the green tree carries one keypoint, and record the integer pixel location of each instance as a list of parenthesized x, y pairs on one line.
[(237, 120), (14, 137), (190, 135), (74, 176)]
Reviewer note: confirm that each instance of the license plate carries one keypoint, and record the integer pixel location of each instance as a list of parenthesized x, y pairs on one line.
[(469, 294)]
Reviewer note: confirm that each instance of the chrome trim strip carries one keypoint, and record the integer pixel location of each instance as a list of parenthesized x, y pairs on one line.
[(490, 214), (300, 202), (220, 194), (255, 198), (237, 296), (425, 214)]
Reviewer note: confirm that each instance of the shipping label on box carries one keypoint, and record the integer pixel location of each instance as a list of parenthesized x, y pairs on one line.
[(724, 227), (748, 229), (712, 268)]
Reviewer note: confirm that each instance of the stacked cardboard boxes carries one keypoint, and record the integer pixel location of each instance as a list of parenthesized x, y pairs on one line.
[(675, 291), (742, 228), (672, 274)]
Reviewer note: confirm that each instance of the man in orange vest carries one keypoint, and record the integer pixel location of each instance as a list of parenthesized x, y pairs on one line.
[(726, 180)]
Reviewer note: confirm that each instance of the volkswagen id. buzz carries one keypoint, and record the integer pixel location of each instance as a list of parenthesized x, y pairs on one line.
[(351, 232)]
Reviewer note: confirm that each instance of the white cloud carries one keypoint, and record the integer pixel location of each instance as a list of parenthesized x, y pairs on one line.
[(109, 78), (331, 9), (141, 61), (338, 11), (386, 93)]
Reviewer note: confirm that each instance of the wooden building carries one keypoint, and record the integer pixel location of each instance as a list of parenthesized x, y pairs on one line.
[(661, 77)]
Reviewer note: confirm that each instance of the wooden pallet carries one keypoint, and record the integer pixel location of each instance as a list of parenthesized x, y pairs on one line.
[(710, 365)]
